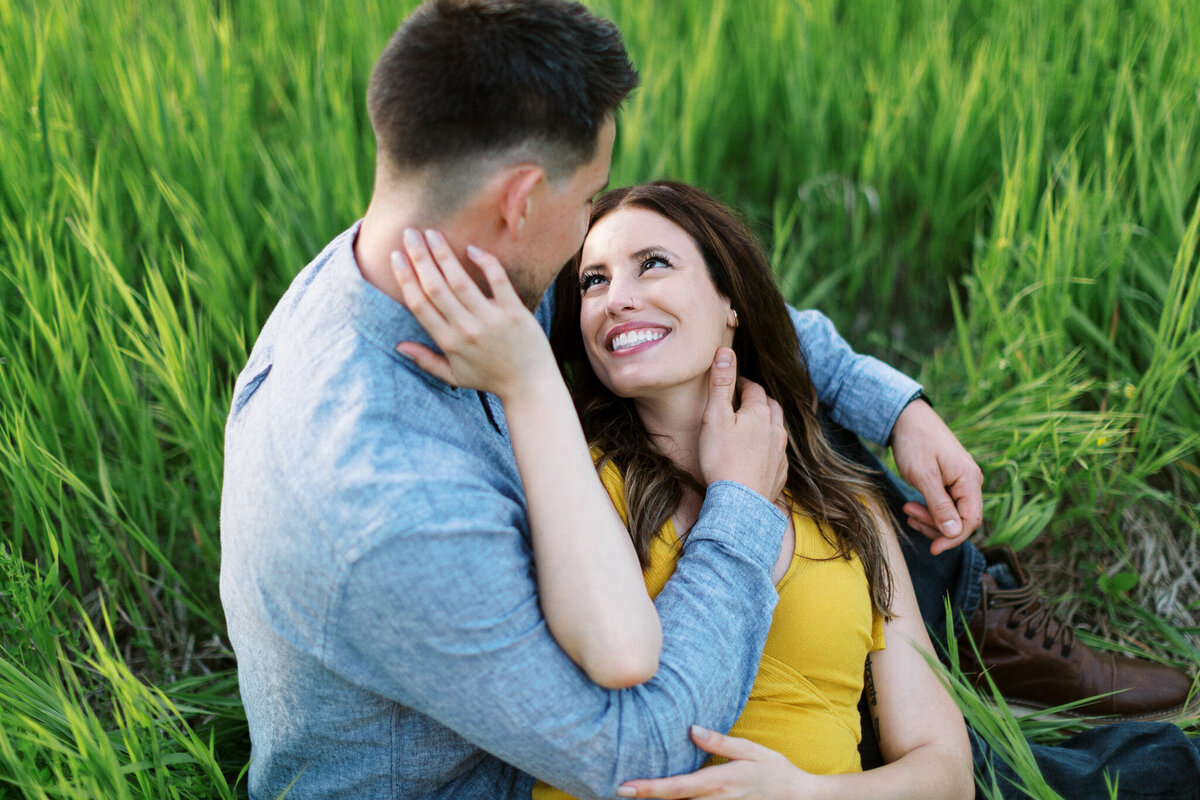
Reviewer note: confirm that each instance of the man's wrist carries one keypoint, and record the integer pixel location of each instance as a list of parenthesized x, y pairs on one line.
[(737, 516), (917, 397)]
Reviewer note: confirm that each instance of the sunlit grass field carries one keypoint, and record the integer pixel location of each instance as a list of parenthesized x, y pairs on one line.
[(1000, 196)]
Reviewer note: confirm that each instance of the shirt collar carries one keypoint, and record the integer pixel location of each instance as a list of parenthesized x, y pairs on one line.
[(377, 317)]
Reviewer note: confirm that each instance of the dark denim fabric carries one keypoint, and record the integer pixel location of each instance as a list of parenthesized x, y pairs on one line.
[(1142, 759)]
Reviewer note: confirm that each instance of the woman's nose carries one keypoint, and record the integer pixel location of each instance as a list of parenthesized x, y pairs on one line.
[(622, 296)]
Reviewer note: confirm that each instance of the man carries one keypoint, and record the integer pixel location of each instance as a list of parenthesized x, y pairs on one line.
[(376, 572)]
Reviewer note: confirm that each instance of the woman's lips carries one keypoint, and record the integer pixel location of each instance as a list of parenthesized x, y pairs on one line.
[(633, 337)]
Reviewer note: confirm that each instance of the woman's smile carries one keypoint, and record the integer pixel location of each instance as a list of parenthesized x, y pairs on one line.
[(633, 337)]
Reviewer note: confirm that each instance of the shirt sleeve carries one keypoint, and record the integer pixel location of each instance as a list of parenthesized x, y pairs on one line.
[(878, 642), (862, 393), (545, 310), (443, 618)]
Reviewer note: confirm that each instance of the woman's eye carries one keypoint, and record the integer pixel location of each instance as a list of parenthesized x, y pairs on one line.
[(653, 262), (590, 279)]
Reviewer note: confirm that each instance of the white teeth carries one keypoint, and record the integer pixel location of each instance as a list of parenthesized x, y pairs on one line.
[(633, 338)]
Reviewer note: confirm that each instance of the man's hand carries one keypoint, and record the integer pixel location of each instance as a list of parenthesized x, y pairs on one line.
[(747, 446), (932, 459)]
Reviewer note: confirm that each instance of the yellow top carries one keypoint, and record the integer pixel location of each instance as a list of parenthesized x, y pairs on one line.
[(804, 702)]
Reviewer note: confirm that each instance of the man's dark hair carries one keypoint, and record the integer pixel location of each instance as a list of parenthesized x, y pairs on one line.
[(465, 80)]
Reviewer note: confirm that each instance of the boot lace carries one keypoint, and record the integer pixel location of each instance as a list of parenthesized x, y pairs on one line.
[(1035, 616)]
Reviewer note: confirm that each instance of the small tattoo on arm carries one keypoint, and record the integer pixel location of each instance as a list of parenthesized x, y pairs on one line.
[(872, 700)]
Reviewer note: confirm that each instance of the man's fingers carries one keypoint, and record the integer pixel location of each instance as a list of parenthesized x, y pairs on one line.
[(777, 422), (433, 363), (919, 519), (750, 394), (722, 380), (945, 514), (942, 544), (780, 427), (928, 531), (968, 498)]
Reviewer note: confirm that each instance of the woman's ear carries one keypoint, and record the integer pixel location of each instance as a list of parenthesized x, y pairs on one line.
[(516, 201), (731, 319)]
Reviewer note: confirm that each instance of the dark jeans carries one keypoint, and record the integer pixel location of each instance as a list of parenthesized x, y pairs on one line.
[(1145, 759)]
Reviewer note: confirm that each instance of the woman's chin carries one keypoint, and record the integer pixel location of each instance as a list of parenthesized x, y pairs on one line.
[(630, 390), (644, 381), (648, 389), (627, 393)]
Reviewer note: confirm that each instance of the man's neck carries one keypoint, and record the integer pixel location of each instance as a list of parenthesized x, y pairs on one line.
[(382, 233)]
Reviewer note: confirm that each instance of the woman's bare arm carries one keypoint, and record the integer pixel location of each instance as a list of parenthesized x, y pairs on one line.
[(921, 732), (589, 580)]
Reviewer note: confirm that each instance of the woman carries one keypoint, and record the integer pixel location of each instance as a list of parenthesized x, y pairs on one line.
[(667, 278)]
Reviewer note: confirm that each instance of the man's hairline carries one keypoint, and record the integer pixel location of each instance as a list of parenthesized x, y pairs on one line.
[(485, 163)]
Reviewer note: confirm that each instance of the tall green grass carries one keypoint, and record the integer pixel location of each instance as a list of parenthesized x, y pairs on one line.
[(999, 195)]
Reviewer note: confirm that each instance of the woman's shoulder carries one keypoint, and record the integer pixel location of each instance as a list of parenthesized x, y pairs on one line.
[(814, 540)]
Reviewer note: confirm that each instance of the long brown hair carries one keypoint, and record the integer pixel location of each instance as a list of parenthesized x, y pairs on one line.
[(829, 488)]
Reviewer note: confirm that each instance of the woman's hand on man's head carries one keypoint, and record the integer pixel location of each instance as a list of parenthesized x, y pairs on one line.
[(488, 338)]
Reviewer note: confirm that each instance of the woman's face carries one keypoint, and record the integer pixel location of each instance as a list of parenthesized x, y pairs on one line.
[(650, 316)]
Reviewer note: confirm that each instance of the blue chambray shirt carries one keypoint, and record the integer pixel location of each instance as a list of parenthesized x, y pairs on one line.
[(379, 587)]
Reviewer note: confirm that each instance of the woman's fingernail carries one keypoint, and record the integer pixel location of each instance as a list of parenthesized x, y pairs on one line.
[(434, 238), (700, 733), (626, 791), (412, 237), (473, 251)]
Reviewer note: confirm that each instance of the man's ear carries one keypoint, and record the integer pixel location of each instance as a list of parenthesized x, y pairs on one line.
[(516, 200)]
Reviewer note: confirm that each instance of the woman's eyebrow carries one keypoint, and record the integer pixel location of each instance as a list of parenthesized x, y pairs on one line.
[(648, 252), (635, 257)]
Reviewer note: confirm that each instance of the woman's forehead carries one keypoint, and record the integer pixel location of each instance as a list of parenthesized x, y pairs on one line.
[(626, 231)]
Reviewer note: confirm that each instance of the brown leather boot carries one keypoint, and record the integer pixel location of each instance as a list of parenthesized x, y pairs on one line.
[(1036, 662)]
